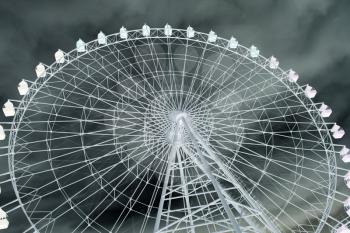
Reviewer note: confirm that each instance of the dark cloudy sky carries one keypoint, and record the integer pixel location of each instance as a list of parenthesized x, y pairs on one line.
[(310, 36)]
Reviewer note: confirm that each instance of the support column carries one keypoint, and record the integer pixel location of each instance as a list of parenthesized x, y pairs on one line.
[(217, 186), (197, 139), (171, 160)]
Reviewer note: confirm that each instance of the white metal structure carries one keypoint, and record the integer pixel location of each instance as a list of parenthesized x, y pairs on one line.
[(171, 130)]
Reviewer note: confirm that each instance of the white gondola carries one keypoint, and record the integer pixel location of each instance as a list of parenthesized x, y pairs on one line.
[(310, 92), (190, 32), (293, 76), (8, 109), (23, 87), (123, 33), (59, 56), (168, 31), (146, 30), (101, 38), (344, 151), (335, 127), (325, 110), (2, 135), (337, 131), (347, 206), (347, 179), (273, 63), (40, 70), (81, 46), (323, 107), (345, 154), (212, 36), (4, 223), (346, 158), (254, 51), (343, 229), (233, 43)]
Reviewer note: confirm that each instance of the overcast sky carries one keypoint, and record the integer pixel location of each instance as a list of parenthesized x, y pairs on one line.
[(310, 36)]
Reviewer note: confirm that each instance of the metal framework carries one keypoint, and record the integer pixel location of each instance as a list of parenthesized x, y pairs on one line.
[(171, 130)]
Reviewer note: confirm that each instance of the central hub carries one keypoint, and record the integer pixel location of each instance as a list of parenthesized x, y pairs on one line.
[(166, 119), (176, 133), (176, 116)]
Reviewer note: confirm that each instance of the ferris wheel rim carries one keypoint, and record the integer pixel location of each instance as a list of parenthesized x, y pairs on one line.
[(31, 95)]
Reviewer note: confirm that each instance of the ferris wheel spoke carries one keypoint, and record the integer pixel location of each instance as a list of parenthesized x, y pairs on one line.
[(126, 204), (97, 133), (248, 75), (24, 144), (182, 86), (97, 121), (111, 103), (250, 140), (154, 91), (195, 75), (83, 190), (121, 192), (258, 187), (157, 64), (103, 143), (232, 68), (255, 97), (142, 75), (171, 69), (257, 169), (236, 184), (51, 170), (76, 87), (281, 134), (249, 131), (262, 106), (69, 101), (215, 66), (299, 208), (210, 73), (244, 161), (74, 149), (85, 162), (125, 74), (99, 98), (229, 72), (288, 163), (282, 149), (275, 178), (121, 219)]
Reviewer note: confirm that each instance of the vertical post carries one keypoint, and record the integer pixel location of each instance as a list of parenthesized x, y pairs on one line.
[(195, 137), (217, 186), (185, 189), (171, 160)]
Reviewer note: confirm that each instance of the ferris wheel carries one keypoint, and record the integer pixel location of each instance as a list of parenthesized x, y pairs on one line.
[(171, 130)]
